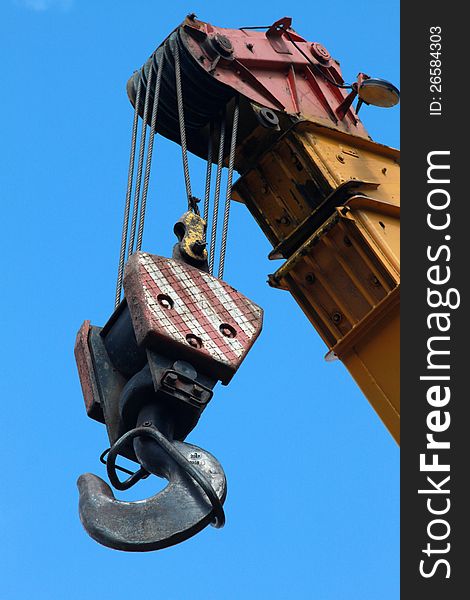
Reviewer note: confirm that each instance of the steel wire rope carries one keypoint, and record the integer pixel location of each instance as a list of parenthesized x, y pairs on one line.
[(207, 191), (127, 206), (184, 147), (140, 165), (215, 209), (228, 195), (153, 123)]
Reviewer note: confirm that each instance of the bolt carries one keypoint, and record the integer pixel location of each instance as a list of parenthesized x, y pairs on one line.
[(347, 241), (224, 41), (268, 118), (284, 221), (337, 317), (222, 45), (171, 378), (310, 278), (375, 281), (320, 52), (147, 424), (340, 159)]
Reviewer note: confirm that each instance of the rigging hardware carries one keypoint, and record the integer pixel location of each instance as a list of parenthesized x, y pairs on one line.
[(228, 194), (215, 213), (207, 190), (315, 183), (127, 205), (150, 372)]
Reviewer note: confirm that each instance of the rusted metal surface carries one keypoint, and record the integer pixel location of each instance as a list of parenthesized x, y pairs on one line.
[(190, 230), (87, 375), (345, 280), (329, 203), (269, 69), (151, 371), (292, 178), (178, 308), (275, 70), (173, 515)]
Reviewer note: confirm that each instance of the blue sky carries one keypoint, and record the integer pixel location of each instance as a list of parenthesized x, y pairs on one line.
[(313, 486)]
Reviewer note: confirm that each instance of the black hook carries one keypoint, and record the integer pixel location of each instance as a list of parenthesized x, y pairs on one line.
[(192, 500)]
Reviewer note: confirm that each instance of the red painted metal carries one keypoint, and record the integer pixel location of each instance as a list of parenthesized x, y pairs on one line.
[(269, 69), (86, 373), (173, 304)]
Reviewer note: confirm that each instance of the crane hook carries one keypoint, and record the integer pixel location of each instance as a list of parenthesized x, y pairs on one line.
[(192, 499)]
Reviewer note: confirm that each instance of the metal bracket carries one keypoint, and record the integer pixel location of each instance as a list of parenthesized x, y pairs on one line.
[(274, 35)]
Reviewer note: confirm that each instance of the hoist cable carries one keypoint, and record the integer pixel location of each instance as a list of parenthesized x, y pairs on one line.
[(207, 192), (184, 148), (127, 206), (153, 124), (215, 210), (140, 166), (228, 196)]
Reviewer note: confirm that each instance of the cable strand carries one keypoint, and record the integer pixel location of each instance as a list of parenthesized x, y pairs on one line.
[(228, 195), (184, 148), (207, 192), (140, 166), (153, 124), (127, 206), (215, 209)]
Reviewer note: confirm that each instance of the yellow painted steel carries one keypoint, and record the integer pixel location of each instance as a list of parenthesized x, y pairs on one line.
[(329, 203)]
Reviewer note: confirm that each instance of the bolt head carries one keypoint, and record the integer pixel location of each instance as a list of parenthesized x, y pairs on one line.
[(171, 378), (376, 282), (197, 391), (269, 117), (222, 45), (320, 52)]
